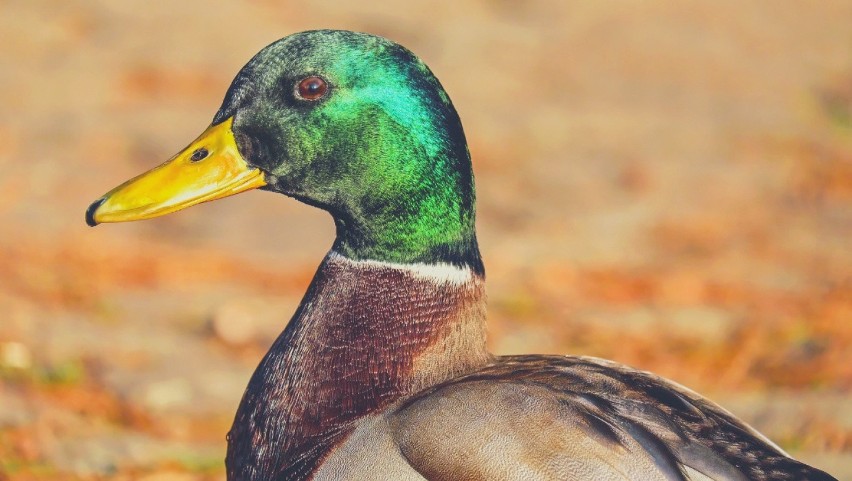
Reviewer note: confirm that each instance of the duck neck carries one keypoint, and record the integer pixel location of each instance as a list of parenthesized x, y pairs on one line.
[(366, 334), (427, 227)]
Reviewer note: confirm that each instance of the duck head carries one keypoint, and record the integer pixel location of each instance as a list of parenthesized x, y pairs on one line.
[(351, 123)]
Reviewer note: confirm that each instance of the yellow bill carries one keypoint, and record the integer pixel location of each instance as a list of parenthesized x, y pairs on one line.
[(208, 169)]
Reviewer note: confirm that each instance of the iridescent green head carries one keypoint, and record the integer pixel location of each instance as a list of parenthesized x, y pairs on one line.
[(354, 124)]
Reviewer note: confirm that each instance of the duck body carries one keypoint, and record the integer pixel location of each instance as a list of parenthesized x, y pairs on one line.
[(383, 374), (559, 418), (383, 371)]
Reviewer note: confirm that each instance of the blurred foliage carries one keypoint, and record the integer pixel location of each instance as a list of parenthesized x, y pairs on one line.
[(668, 185)]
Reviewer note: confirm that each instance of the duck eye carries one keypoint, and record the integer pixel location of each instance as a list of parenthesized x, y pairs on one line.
[(312, 88), (198, 155)]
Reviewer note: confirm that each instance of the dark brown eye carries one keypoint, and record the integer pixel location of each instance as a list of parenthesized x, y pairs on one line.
[(312, 88)]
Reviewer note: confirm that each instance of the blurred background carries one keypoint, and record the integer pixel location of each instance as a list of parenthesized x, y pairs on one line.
[(668, 185)]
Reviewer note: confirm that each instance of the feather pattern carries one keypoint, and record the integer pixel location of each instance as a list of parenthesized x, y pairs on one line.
[(684, 435)]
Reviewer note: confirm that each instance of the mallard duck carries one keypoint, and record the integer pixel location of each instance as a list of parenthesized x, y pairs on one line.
[(383, 372)]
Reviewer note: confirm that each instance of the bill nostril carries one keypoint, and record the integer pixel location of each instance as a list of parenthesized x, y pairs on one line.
[(199, 155), (90, 212)]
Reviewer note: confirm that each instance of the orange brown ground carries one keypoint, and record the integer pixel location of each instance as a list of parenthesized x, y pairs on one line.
[(669, 186)]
